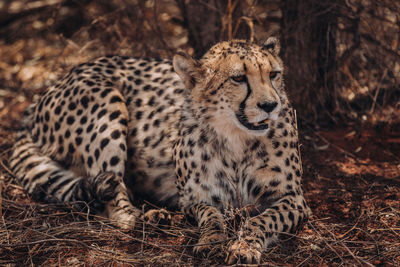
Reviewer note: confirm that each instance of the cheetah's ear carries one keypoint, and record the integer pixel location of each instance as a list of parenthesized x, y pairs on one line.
[(187, 68), (272, 45)]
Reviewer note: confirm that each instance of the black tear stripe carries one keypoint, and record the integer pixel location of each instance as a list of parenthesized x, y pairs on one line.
[(242, 117)]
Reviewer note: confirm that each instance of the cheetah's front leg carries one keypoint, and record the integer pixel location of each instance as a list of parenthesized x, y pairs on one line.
[(211, 224), (262, 230)]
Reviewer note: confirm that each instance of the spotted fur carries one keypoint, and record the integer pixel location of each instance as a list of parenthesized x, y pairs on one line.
[(205, 136)]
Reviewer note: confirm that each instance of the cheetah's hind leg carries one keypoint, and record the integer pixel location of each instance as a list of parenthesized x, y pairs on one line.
[(111, 191)]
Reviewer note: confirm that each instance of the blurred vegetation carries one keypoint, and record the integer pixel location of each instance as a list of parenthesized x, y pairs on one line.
[(342, 56)]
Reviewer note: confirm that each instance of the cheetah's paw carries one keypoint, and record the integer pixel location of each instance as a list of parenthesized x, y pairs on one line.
[(243, 252), (124, 220), (209, 244), (157, 216)]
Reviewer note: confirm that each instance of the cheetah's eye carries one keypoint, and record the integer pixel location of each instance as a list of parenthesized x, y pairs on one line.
[(239, 79), (273, 74)]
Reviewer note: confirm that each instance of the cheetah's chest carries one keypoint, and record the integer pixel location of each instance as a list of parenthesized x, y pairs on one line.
[(154, 111)]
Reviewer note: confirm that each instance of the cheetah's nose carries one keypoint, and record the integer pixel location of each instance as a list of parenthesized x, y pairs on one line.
[(267, 106)]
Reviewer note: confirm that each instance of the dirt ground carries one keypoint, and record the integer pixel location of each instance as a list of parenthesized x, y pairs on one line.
[(351, 182)]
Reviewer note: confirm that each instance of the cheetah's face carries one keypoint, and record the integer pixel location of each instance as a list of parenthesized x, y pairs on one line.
[(240, 83)]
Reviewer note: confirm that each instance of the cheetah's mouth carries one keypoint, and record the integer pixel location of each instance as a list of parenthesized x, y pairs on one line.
[(255, 126)]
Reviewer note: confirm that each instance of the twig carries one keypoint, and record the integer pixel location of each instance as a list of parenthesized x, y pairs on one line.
[(5, 227)]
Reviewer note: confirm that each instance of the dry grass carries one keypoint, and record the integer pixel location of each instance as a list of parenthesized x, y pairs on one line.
[(56, 235)]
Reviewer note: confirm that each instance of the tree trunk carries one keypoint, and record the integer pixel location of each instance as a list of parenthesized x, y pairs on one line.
[(309, 51)]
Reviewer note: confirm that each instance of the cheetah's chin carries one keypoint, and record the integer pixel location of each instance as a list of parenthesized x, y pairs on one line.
[(254, 126)]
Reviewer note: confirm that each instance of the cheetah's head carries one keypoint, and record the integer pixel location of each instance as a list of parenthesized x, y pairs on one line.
[(239, 83)]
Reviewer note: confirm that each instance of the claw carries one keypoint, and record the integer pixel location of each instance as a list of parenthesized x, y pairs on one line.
[(157, 216), (242, 252)]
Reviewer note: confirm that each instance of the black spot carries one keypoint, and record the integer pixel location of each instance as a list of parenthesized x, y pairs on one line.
[(289, 177), (105, 92), (203, 139), (276, 169), (152, 101), (104, 143), (156, 123), (298, 174), (83, 120), (58, 110), (72, 106), (138, 102), (205, 156), (191, 143), (90, 83), (279, 153), (271, 133), (93, 137), (101, 113), (47, 116), (85, 101), (67, 93), (70, 120), (103, 127), (114, 161), (90, 128), (146, 141), (115, 115), (71, 148), (90, 161), (78, 140), (105, 166), (274, 183), (139, 115), (255, 145), (115, 134), (97, 154), (94, 108), (275, 144)]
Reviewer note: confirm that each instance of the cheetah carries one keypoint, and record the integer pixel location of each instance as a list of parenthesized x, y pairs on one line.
[(205, 136)]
